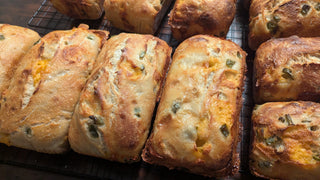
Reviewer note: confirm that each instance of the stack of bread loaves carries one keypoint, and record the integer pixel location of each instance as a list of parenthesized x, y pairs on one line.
[(139, 16), (197, 116), (196, 126), (75, 88), (285, 130), (286, 134), (187, 18)]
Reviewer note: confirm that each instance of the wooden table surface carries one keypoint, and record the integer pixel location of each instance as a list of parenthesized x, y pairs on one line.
[(17, 12)]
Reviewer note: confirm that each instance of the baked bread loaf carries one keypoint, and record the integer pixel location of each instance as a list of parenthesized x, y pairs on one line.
[(285, 142), (114, 113), (197, 121), (79, 9), (139, 16), (191, 17), (287, 69), (283, 18), (15, 41), (37, 107)]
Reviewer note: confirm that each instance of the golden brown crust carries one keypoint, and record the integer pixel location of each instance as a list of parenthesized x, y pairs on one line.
[(283, 18), (37, 107), (139, 16), (113, 116), (196, 126), (285, 140), (191, 17), (79, 9), (287, 69), (15, 41)]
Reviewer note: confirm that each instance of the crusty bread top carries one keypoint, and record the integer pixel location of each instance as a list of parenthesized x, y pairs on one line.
[(37, 107), (139, 16), (286, 140), (300, 57), (191, 17), (283, 18), (197, 126), (79, 9), (130, 9), (15, 41)]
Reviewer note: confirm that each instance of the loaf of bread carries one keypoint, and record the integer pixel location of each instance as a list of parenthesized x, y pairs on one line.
[(283, 18), (139, 16), (79, 9), (37, 107), (15, 41), (191, 17), (287, 69), (286, 140), (197, 121), (114, 113)]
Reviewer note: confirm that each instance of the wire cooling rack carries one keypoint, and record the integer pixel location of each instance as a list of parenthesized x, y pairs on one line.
[(47, 19)]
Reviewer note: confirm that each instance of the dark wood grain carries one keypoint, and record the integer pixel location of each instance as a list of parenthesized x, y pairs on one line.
[(17, 12)]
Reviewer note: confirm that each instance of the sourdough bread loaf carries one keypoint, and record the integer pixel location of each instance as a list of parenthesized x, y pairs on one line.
[(192, 17), (114, 113), (15, 41), (197, 121), (287, 69), (285, 140), (37, 107), (79, 9), (283, 18), (139, 16)]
